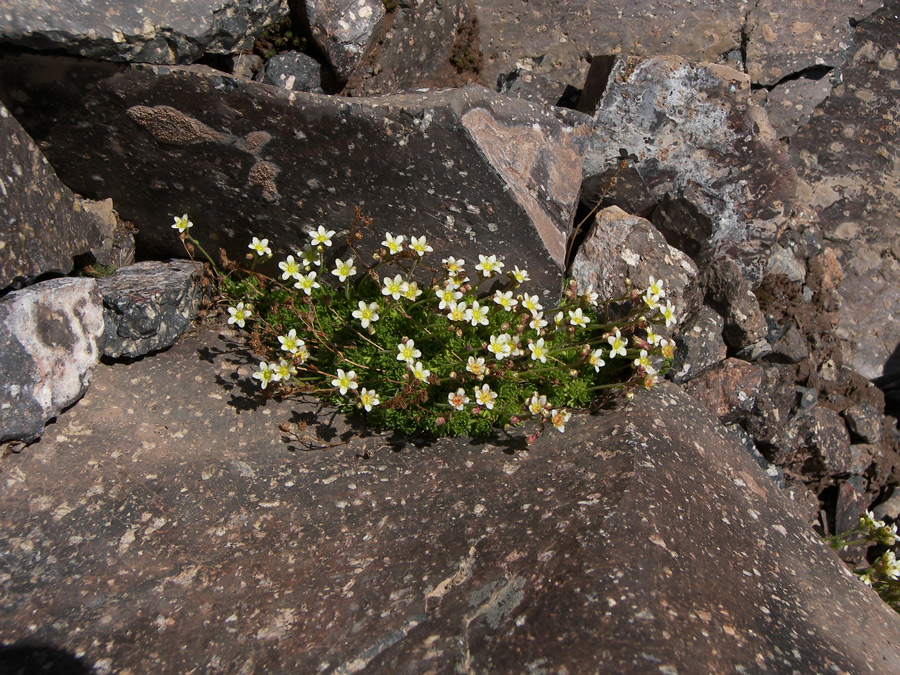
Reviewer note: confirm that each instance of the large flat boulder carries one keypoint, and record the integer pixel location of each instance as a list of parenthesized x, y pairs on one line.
[(476, 171), (155, 31), (642, 540), (43, 226), (51, 338)]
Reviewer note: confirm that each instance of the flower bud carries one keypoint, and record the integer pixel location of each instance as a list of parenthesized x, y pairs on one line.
[(476, 410), (439, 422), (453, 375), (630, 396), (585, 350), (504, 327), (514, 420), (573, 373)]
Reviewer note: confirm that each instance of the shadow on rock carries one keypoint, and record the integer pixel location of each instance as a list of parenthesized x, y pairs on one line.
[(28, 657)]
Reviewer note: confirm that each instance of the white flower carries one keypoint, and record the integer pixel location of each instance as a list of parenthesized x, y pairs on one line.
[(261, 246), (458, 399), (306, 282), (447, 296), (505, 300), (182, 224), (477, 314), (643, 361), (284, 370), (577, 318), (887, 534), (412, 291), (653, 338), (655, 288), (408, 352), (239, 314), (453, 265), (475, 366), (420, 372), (321, 236), (537, 321), (500, 346), (538, 351), (559, 319), (394, 244), (530, 302), (591, 296), (366, 313), (289, 268), (343, 269), (290, 343), (458, 311), (344, 381), (420, 246), (488, 265), (596, 360), (537, 404), (652, 301), (891, 566), (520, 275), (368, 398), (668, 313), (302, 354), (309, 257), (559, 418), (617, 344), (485, 396), (394, 287), (265, 374)]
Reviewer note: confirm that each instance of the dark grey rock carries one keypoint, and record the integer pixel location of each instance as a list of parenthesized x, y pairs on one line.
[(699, 345), (755, 351), (530, 86), (769, 419), (43, 226), (808, 396), (785, 39), (51, 338), (622, 185), (890, 508), (788, 345), (344, 29), (475, 171), (783, 261), (729, 390), (149, 305), (862, 456), (776, 473), (851, 503), (620, 246), (589, 551), (293, 70), (791, 104), (728, 292), (246, 65), (823, 444), (694, 134), (864, 423), (158, 31)]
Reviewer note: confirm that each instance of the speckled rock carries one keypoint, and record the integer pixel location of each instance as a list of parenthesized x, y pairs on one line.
[(695, 135), (149, 305), (790, 105), (158, 31), (522, 83), (729, 293), (589, 551), (822, 444), (847, 156), (43, 226), (787, 38), (699, 345), (729, 390), (474, 170), (417, 43), (293, 70), (622, 185), (51, 338), (777, 399), (620, 246), (343, 29), (864, 422)]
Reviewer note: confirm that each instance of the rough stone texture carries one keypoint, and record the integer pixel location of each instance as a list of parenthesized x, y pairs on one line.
[(788, 345), (293, 70), (418, 42), (694, 135), (890, 508), (476, 171), (522, 83), (770, 416), (699, 345), (729, 391), (343, 29), (149, 305), (620, 246), (787, 38), (158, 31), (783, 261), (590, 551), (728, 292), (623, 186), (864, 423), (51, 337), (790, 105), (42, 224), (822, 443), (557, 39), (849, 157)]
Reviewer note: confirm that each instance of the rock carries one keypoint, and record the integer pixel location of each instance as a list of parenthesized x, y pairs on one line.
[(51, 337), (864, 423), (43, 226), (772, 471), (530, 86), (727, 291), (729, 391), (343, 30), (847, 157), (588, 551), (808, 396), (427, 43), (788, 345), (782, 40), (620, 246), (823, 447), (783, 261), (790, 104), (890, 508), (246, 65), (755, 351), (621, 186), (770, 416), (149, 305), (476, 171), (862, 456), (293, 70), (150, 32), (851, 504), (695, 135), (699, 345)]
